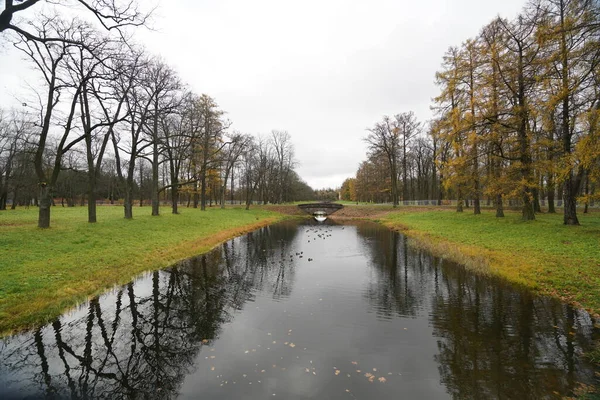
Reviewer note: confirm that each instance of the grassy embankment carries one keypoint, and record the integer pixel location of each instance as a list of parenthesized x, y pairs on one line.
[(553, 259), (44, 272)]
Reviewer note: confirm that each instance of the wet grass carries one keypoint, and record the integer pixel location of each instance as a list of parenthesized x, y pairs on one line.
[(45, 272), (545, 255)]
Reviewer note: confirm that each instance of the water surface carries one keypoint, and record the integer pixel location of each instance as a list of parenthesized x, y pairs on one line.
[(308, 311)]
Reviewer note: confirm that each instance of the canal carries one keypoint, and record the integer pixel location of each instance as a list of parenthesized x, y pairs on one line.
[(308, 310)]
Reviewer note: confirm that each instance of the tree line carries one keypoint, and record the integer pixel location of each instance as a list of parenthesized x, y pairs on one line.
[(517, 120), (111, 121)]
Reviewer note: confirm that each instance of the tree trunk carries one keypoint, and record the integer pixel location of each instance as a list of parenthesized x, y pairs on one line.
[(92, 197), (175, 196), (128, 201), (586, 192), (551, 190), (155, 200), (499, 206), (536, 201), (3, 197), (203, 190), (14, 202), (45, 202), (569, 207), (196, 197)]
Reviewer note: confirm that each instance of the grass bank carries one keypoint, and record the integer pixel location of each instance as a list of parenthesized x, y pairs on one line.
[(553, 259), (44, 272)]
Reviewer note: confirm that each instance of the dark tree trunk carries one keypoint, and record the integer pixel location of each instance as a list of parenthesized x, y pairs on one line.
[(92, 198), (586, 192), (14, 202), (569, 203), (499, 206), (203, 190), (3, 197), (175, 196), (196, 196), (45, 202), (155, 200), (536, 201), (551, 191), (128, 202)]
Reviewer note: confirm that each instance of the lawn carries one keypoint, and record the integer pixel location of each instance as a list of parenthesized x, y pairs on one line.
[(44, 272), (544, 254)]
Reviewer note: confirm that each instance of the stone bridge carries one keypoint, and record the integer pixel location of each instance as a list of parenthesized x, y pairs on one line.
[(327, 208)]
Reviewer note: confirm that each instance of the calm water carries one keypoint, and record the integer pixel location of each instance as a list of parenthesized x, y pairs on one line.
[(309, 311)]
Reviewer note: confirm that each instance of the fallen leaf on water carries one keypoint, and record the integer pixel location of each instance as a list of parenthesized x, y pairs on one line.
[(212, 368), (307, 370), (382, 379), (212, 357), (292, 345), (375, 369), (354, 362), (337, 372)]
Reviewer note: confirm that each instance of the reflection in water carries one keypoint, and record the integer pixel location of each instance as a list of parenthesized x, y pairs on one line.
[(307, 311)]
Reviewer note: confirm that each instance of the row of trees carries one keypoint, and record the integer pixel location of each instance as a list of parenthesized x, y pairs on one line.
[(106, 109), (517, 119), (400, 164), (518, 111)]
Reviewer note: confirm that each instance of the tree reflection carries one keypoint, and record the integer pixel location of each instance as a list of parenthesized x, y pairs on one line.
[(395, 284), (143, 339), (499, 342)]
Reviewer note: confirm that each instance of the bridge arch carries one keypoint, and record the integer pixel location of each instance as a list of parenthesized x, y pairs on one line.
[(318, 208)]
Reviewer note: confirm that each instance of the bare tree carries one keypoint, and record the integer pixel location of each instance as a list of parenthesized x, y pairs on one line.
[(284, 162), (161, 87), (237, 144), (14, 131), (111, 14), (49, 59)]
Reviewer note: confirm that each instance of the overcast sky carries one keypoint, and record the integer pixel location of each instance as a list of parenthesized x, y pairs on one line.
[(322, 70)]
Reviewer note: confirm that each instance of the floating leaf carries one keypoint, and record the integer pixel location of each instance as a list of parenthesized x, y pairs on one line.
[(382, 379)]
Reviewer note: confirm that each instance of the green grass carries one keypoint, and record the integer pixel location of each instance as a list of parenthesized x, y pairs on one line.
[(44, 272), (563, 261)]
